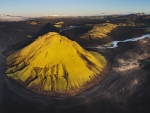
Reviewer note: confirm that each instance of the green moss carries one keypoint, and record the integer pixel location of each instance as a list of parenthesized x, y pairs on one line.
[(99, 31), (53, 63)]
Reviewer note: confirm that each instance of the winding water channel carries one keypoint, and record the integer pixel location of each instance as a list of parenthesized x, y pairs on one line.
[(115, 43), (70, 27)]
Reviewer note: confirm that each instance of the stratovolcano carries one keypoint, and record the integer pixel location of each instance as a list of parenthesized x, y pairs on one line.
[(54, 65)]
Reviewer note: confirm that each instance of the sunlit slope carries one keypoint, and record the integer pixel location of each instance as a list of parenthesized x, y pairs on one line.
[(54, 64), (99, 31)]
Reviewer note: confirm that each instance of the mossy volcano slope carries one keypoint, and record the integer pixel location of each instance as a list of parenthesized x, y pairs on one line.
[(99, 31), (54, 65)]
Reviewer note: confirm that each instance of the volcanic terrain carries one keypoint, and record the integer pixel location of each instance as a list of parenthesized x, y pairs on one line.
[(50, 64)]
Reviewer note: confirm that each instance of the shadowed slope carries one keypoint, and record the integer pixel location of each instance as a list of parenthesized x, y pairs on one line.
[(45, 29), (52, 65)]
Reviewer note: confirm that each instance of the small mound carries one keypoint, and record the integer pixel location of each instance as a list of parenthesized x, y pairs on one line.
[(29, 36), (33, 22), (59, 24), (54, 65)]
